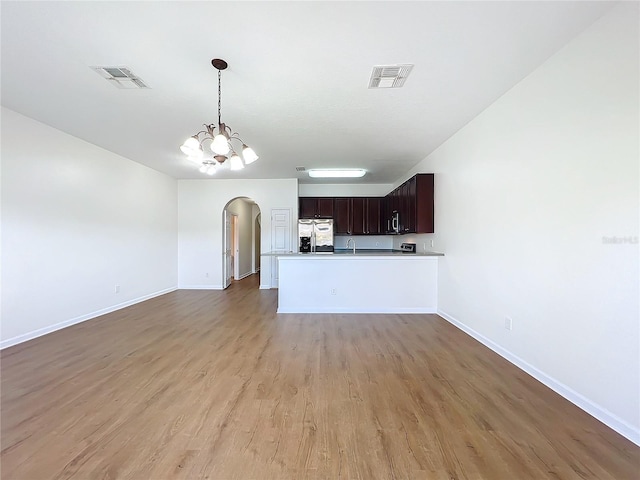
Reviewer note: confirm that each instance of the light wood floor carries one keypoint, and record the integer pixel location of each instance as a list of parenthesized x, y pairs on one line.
[(216, 385)]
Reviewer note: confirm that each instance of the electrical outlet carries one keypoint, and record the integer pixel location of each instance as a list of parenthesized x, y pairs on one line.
[(116, 289), (508, 323), (333, 291), (431, 243), (206, 275), (424, 246)]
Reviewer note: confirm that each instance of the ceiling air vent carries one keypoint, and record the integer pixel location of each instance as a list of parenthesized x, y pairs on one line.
[(301, 169), (121, 77), (389, 76)]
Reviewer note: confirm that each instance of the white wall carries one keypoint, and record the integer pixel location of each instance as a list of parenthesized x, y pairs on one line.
[(200, 206), (344, 190), (76, 221), (524, 195)]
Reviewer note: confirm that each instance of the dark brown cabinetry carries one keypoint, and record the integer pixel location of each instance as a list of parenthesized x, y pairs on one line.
[(342, 216), (316, 207), (413, 200), (358, 216), (373, 216)]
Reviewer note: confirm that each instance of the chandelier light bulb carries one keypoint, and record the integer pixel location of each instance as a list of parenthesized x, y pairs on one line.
[(211, 170), (190, 146), (248, 154), (236, 162), (220, 144), (203, 169)]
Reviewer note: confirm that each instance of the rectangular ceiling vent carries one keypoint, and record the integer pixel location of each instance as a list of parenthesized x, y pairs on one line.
[(120, 77), (301, 169), (389, 76)]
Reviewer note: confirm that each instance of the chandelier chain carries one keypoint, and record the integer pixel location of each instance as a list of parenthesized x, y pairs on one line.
[(219, 98)]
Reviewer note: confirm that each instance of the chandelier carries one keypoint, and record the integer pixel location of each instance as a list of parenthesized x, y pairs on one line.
[(221, 141)]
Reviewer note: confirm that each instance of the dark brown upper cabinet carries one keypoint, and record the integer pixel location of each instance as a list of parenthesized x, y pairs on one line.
[(358, 215), (413, 200), (315, 207), (366, 214), (374, 216), (342, 223)]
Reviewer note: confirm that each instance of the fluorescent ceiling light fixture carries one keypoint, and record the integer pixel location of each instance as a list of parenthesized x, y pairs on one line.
[(337, 173)]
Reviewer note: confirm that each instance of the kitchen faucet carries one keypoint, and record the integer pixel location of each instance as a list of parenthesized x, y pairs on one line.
[(349, 240)]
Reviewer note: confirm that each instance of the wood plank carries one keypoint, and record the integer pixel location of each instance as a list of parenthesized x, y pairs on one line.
[(210, 384)]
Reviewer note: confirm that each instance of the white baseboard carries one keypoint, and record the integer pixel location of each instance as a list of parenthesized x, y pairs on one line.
[(602, 414), (82, 318), (353, 310), (244, 275), (265, 287), (200, 287)]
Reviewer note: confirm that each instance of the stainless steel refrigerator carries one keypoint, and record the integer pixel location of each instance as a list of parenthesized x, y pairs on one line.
[(315, 236)]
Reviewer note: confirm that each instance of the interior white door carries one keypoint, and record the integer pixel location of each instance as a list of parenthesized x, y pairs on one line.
[(280, 238), (226, 253)]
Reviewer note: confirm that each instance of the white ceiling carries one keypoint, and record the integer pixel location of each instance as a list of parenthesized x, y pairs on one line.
[(296, 87)]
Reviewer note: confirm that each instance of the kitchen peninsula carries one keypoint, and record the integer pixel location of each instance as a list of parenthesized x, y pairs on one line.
[(322, 278), (360, 282)]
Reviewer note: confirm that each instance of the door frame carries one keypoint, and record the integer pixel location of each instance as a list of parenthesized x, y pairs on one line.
[(231, 240), (235, 242), (226, 250)]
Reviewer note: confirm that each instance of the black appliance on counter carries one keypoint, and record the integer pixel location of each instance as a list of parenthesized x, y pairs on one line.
[(408, 248), (305, 244)]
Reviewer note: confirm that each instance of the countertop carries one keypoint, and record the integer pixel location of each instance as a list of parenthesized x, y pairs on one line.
[(349, 252)]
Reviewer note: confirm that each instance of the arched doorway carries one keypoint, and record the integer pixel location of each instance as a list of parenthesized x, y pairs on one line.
[(241, 239)]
